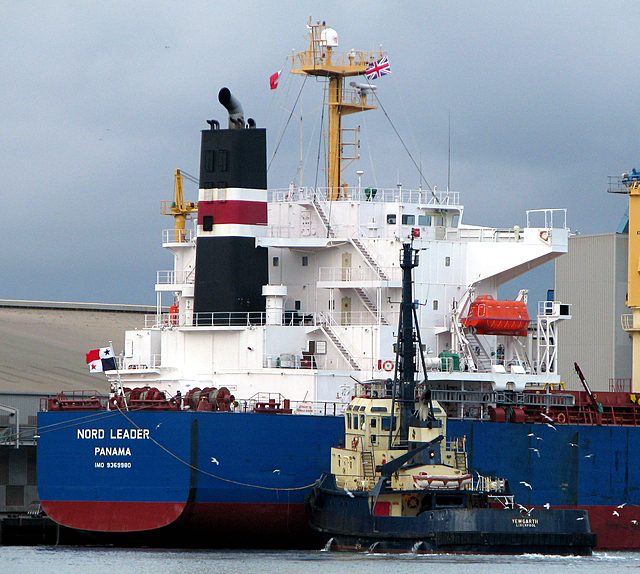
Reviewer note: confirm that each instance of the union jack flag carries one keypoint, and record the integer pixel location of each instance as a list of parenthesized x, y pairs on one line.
[(377, 69)]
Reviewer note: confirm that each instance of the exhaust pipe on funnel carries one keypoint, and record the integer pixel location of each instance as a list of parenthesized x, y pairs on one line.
[(236, 115)]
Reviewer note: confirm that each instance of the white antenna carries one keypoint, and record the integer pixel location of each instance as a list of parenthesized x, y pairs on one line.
[(449, 158)]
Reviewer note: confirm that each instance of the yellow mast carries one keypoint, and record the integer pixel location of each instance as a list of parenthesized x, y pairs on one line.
[(321, 60), (179, 208)]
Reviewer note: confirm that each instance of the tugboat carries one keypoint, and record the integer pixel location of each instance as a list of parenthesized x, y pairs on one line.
[(400, 484)]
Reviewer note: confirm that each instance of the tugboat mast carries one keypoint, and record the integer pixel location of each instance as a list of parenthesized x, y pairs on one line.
[(321, 60), (406, 343)]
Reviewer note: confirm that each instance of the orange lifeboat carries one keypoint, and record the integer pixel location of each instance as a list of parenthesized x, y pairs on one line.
[(490, 317)]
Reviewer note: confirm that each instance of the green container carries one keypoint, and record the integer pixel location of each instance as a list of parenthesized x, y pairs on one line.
[(449, 359)]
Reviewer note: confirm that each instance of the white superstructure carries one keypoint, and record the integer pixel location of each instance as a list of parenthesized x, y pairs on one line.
[(333, 300)]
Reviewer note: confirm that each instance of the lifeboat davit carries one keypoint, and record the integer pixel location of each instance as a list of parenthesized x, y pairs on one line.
[(490, 317)]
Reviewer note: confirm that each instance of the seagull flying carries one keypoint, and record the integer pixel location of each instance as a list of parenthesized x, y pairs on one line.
[(581, 518), (349, 492), (621, 505), (572, 444), (588, 455), (214, 460), (547, 506), (616, 513), (276, 471), (525, 509), (551, 426), (634, 522), (158, 426), (547, 417), (531, 434), (526, 484), (535, 450)]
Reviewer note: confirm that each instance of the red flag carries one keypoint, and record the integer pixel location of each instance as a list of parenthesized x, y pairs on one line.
[(273, 80)]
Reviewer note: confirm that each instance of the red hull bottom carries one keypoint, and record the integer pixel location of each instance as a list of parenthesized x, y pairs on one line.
[(113, 516), (615, 532)]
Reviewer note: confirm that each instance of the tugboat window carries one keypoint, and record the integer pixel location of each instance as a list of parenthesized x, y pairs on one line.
[(305, 261), (276, 261), (391, 218), (386, 423), (408, 220), (424, 220), (207, 223)]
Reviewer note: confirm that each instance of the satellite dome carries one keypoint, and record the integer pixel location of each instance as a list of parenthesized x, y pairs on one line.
[(329, 37)]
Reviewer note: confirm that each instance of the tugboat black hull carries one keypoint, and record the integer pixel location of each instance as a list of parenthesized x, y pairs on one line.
[(346, 522)]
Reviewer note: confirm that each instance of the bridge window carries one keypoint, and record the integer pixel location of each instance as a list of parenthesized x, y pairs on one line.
[(408, 219), (424, 220), (391, 218)]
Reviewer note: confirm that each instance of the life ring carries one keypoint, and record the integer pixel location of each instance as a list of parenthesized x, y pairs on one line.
[(544, 235), (354, 442), (412, 502), (388, 365), (561, 418)]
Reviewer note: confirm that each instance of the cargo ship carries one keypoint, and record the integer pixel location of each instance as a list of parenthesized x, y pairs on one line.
[(225, 403)]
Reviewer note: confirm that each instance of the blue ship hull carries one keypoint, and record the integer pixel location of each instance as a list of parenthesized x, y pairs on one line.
[(230, 479)]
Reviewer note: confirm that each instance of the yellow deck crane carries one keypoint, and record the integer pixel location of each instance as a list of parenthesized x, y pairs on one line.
[(179, 208)]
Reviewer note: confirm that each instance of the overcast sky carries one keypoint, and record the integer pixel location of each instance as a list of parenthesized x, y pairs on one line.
[(102, 101)]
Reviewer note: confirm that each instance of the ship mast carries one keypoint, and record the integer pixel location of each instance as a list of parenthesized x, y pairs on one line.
[(320, 59)]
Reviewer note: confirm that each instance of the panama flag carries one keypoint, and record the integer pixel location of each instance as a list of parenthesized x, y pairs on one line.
[(273, 80), (100, 360)]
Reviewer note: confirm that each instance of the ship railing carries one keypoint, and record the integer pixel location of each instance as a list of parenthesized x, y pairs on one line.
[(346, 274), (317, 56), (275, 402), (288, 318), (490, 484), (172, 277), (503, 398), (139, 362), (620, 385), (371, 194), (483, 235), (455, 444), (555, 218), (178, 236)]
